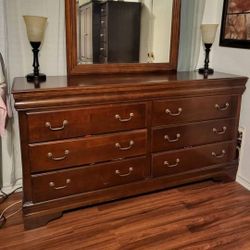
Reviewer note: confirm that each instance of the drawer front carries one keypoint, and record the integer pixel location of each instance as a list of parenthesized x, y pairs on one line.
[(194, 109), (89, 150), (175, 162), (58, 184), (195, 134), (61, 124)]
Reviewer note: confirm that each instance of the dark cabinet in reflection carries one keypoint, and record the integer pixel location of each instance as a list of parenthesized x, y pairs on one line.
[(109, 32)]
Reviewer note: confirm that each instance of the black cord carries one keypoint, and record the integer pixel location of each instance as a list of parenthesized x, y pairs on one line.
[(4, 196), (2, 221)]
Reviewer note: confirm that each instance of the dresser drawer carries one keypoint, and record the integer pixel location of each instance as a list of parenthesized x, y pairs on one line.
[(194, 134), (179, 161), (62, 183), (194, 109), (88, 150), (61, 124)]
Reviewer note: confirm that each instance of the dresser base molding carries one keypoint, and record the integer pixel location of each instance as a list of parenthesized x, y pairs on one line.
[(39, 214)]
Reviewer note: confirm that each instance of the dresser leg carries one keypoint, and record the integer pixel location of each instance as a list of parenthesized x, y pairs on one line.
[(34, 221)]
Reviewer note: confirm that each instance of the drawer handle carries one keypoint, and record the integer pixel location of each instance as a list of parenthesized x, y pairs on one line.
[(166, 163), (48, 125), (50, 156), (123, 175), (102, 22), (169, 112), (225, 107), (118, 145), (118, 117), (101, 35), (52, 184), (178, 136), (223, 131), (223, 152)]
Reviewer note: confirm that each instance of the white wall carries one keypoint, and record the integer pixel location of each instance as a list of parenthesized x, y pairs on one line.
[(52, 61), (236, 61)]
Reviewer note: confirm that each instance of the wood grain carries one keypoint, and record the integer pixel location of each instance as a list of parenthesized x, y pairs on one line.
[(200, 216)]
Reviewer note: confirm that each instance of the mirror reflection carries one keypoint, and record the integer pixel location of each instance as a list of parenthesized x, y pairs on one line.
[(136, 31)]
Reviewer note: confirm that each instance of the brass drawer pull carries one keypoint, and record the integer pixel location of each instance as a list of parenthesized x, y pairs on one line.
[(223, 152), (225, 107), (123, 175), (118, 145), (166, 163), (169, 112), (178, 136), (52, 184), (50, 156), (118, 117), (48, 125), (223, 131)]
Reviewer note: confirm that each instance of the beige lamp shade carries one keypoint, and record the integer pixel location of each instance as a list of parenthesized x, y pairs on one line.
[(35, 26), (208, 32)]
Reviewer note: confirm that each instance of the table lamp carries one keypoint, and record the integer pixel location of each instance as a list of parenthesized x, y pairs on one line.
[(35, 26)]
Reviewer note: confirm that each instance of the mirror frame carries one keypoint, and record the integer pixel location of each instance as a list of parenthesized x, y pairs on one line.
[(75, 69)]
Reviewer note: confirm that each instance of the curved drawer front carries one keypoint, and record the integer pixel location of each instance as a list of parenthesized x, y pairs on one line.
[(62, 124), (174, 162), (58, 184), (89, 150), (194, 134), (194, 109)]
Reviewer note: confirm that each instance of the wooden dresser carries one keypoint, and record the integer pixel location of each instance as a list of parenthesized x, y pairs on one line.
[(93, 139)]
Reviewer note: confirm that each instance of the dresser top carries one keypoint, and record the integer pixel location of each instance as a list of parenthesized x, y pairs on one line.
[(88, 89), (100, 81)]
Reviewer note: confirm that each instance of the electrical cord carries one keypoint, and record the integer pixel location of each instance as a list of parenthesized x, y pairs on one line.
[(4, 196), (3, 217)]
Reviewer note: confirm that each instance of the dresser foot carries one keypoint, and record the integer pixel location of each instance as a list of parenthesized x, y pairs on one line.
[(34, 221)]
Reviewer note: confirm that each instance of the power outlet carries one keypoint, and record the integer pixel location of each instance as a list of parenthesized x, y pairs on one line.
[(241, 142)]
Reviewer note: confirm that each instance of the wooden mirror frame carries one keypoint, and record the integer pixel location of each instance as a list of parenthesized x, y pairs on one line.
[(75, 69)]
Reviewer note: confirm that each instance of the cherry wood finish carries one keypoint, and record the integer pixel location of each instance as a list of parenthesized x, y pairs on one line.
[(194, 134), (67, 123), (74, 69), (68, 168), (193, 109), (179, 161), (103, 176), (87, 150)]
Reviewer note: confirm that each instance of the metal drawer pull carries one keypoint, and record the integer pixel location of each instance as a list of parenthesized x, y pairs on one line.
[(223, 131), (225, 107), (169, 112), (101, 35), (102, 22), (48, 125), (52, 184), (223, 152), (166, 163), (101, 49), (118, 145), (118, 117), (178, 136), (123, 175), (50, 156)]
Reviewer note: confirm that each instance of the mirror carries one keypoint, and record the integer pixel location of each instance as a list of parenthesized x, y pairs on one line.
[(122, 36)]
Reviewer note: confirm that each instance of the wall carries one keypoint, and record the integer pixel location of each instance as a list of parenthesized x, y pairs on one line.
[(234, 61), (52, 61)]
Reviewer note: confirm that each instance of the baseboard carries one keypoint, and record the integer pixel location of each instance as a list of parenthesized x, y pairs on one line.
[(10, 188), (242, 181)]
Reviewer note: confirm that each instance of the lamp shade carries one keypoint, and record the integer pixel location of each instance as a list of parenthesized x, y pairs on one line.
[(35, 26), (208, 32)]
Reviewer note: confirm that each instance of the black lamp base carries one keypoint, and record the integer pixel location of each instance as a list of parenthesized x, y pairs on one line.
[(32, 78), (204, 71)]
